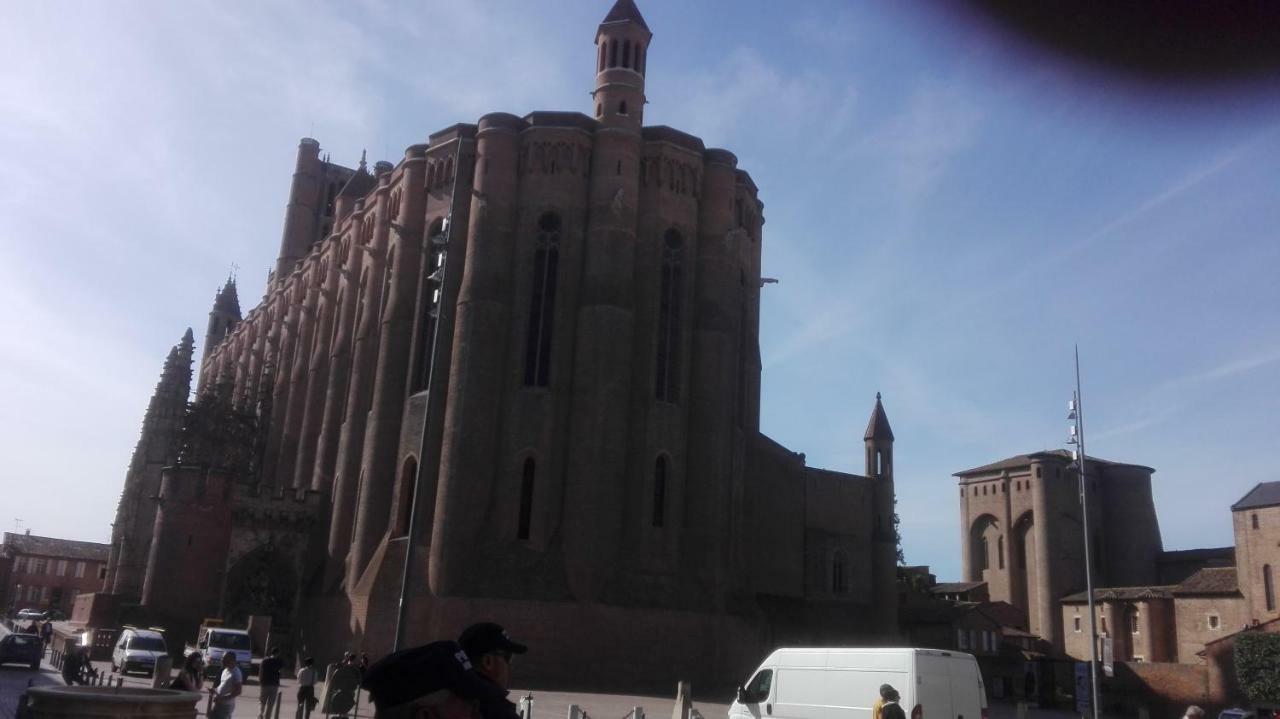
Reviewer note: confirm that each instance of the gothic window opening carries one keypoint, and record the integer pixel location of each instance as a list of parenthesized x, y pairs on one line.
[(613, 54), (660, 492), (1268, 588), (626, 53), (542, 301), (1000, 551), (1131, 619), (640, 57), (622, 107), (526, 499), (1253, 519), (671, 287)]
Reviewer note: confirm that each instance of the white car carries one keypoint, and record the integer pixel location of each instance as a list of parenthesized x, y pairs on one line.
[(137, 650)]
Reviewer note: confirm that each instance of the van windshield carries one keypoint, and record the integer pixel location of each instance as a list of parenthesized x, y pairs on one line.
[(149, 644), (227, 640)]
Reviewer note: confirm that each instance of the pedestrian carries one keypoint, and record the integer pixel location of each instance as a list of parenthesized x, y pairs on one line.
[(890, 708), (46, 634), (191, 675), (436, 681), (875, 708), (1193, 712), (491, 652), (307, 688), (269, 683), (71, 668), (364, 663), (230, 684)]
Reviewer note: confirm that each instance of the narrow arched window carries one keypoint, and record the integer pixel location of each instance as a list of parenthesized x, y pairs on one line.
[(622, 107), (600, 59), (526, 500), (670, 289), (1000, 551), (626, 53), (839, 582), (613, 54), (542, 302), (660, 492), (1268, 588), (640, 53)]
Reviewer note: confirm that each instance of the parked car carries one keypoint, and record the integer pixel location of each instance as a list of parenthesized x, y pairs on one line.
[(214, 641), (31, 614), (21, 649), (137, 650)]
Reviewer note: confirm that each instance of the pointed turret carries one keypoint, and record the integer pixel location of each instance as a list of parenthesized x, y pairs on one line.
[(223, 318), (878, 426), (359, 185), (157, 447), (626, 11), (623, 45)]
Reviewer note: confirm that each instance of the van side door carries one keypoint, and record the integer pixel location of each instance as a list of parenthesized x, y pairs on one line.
[(758, 693)]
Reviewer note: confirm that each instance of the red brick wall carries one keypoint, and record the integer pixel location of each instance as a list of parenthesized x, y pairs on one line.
[(1164, 688), (60, 587)]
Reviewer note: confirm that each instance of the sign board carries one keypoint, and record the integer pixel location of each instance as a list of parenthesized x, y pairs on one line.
[(1108, 657), (1084, 694)]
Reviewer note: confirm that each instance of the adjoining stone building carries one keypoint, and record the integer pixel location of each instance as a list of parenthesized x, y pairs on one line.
[(1021, 531), (584, 463)]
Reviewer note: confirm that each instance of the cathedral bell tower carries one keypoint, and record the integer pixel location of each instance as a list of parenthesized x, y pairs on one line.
[(878, 441), (622, 48)]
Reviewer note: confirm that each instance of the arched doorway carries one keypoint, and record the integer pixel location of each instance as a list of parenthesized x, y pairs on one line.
[(1022, 564)]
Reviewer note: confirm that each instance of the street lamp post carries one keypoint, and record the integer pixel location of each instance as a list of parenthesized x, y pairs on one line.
[(1076, 438)]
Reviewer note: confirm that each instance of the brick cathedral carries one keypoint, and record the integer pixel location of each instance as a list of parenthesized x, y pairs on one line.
[(535, 340)]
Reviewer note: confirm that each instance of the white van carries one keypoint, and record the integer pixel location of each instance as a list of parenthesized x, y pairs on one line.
[(137, 650), (844, 683)]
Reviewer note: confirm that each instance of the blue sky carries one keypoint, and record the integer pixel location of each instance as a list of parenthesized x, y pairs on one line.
[(947, 213)]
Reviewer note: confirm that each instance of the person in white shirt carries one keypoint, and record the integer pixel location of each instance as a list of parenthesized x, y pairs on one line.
[(306, 688), (229, 686)]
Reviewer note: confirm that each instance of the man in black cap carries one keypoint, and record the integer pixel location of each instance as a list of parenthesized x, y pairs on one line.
[(491, 651), (435, 681)]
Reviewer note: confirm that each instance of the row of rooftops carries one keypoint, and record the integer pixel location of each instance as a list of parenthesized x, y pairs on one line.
[(1210, 581), (32, 545)]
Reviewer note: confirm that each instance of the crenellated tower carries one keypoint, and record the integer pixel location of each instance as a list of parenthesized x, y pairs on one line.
[(622, 45), (156, 448)]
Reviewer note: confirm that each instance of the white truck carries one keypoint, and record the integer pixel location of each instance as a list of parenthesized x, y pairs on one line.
[(214, 641), (844, 683)]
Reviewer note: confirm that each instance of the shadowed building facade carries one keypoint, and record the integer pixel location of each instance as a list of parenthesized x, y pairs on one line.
[(585, 461)]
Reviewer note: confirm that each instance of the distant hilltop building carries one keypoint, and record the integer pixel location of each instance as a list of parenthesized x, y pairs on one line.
[(586, 451)]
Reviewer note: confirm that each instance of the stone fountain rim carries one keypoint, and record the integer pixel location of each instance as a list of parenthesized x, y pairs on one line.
[(116, 695)]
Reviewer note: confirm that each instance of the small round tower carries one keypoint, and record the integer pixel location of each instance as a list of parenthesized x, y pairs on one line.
[(622, 48)]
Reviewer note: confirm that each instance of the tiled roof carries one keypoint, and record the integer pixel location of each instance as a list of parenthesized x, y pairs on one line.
[(1004, 613), (950, 587), (1024, 460), (1122, 593), (51, 547), (1266, 494), (1213, 580)]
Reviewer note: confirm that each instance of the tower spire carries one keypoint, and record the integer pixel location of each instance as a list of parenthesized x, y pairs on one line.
[(622, 42)]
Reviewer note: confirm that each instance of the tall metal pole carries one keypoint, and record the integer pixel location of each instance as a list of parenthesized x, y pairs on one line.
[(1088, 563), (439, 308)]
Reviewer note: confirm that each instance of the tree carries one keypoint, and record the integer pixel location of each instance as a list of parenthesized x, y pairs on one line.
[(1256, 658)]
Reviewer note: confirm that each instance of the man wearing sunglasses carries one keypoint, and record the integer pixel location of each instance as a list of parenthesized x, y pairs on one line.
[(491, 651)]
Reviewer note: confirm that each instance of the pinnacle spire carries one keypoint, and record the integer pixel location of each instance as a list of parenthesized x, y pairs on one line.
[(363, 162), (878, 426), (625, 11), (228, 299)]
